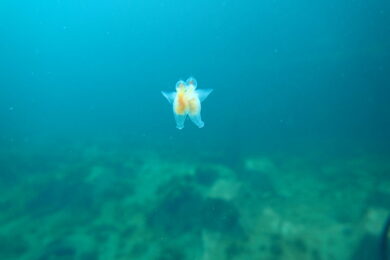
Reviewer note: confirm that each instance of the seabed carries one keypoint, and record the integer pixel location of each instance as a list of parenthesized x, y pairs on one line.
[(90, 202)]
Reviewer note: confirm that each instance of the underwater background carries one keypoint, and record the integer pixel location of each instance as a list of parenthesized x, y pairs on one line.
[(293, 161)]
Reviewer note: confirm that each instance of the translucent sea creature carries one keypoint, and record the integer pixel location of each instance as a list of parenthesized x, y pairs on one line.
[(186, 100)]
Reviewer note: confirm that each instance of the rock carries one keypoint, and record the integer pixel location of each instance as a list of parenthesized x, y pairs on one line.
[(58, 195), (171, 254), (225, 189), (184, 211), (12, 247), (178, 213), (221, 216), (206, 176), (261, 164), (374, 220), (59, 249)]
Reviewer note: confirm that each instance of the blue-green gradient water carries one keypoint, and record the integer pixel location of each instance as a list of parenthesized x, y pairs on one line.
[(293, 161)]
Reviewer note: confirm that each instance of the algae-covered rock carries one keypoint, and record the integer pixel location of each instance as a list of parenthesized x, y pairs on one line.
[(91, 255), (183, 210), (221, 216), (374, 220), (171, 254), (179, 212), (206, 176), (258, 181), (261, 164), (368, 248), (225, 189), (13, 246), (59, 249), (58, 195)]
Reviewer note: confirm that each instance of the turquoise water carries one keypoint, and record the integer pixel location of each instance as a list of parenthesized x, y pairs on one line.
[(292, 162)]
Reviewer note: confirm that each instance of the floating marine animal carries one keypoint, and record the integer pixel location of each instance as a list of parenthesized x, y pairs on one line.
[(187, 101)]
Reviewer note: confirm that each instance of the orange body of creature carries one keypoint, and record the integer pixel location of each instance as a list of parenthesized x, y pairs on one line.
[(182, 103)]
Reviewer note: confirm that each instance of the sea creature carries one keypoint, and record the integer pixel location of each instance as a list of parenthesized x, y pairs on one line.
[(186, 100)]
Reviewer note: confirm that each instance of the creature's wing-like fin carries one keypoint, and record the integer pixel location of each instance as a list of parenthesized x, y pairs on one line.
[(191, 81), (170, 96), (197, 120), (203, 93), (180, 120)]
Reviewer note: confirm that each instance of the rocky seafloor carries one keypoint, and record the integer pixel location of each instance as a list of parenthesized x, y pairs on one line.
[(100, 203)]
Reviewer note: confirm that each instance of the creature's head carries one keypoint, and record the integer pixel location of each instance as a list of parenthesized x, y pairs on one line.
[(180, 86), (191, 82)]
